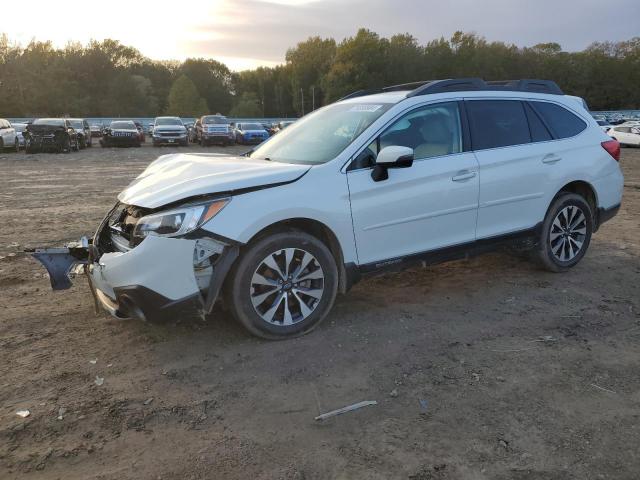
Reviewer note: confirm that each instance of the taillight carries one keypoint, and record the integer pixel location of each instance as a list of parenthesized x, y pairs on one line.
[(613, 148)]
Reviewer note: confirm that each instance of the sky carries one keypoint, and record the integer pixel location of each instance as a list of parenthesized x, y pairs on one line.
[(249, 33)]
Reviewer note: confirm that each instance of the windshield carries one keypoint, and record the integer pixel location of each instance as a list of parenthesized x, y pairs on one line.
[(168, 121), (215, 120), (251, 126), (54, 122), (76, 123), (322, 135), (19, 127), (123, 125)]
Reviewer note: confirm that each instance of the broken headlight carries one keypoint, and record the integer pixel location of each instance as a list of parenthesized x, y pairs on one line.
[(179, 221)]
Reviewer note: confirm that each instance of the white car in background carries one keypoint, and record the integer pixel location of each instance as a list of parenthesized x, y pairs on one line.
[(604, 125), (369, 184), (20, 128), (627, 133), (8, 137)]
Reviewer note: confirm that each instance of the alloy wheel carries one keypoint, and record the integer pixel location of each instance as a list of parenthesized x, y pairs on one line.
[(568, 233), (287, 286)]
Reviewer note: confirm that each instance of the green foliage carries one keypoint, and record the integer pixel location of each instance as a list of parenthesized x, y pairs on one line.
[(107, 78), (247, 106), (212, 80), (184, 99)]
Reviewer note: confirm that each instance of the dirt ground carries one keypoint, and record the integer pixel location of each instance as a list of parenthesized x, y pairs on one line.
[(483, 369)]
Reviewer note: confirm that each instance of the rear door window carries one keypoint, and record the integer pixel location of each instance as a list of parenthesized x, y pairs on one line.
[(497, 123), (562, 122)]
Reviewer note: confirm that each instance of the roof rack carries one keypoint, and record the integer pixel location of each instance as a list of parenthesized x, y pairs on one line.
[(478, 84), (465, 85)]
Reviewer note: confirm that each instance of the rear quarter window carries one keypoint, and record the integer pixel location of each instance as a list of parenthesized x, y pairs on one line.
[(562, 122), (497, 123)]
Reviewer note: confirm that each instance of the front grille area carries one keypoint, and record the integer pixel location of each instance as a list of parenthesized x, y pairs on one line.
[(116, 232), (171, 133)]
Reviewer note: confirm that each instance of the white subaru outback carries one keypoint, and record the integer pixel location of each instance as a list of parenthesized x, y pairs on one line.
[(373, 182)]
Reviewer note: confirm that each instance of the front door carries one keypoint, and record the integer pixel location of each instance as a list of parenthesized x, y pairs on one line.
[(431, 204)]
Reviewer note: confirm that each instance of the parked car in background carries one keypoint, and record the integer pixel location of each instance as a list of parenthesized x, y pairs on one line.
[(96, 130), (83, 130), (141, 133), (370, 184), (8, 137), (627, 135), (270, 128), (250, 133), (282, 125), (604, 125), (50, 134), (19, 128), (214, 129), (120, 133), (192, 134), (169, 131)]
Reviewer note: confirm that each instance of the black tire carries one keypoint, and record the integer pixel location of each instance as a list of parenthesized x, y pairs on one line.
[(563, 242), (17, 145), (65, 147), (81, 143), (1, 145), (238, 287), (137, 145)]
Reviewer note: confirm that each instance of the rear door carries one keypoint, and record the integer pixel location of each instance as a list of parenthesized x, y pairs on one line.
[(513, 170)]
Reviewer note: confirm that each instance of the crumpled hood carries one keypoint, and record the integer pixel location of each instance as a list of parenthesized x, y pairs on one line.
[(178, 176)]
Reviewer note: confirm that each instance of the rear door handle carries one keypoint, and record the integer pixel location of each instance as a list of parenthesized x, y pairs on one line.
[(551, 158), (463, 175)]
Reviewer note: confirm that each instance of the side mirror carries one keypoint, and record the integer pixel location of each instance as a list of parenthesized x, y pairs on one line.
[(394, 156)]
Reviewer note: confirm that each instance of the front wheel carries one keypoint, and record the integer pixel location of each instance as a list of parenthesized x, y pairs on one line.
[(283, 285), (17, 145), (566, 233)]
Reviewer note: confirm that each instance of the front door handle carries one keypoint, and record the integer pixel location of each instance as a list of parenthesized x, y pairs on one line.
[(463, 175), (551, 158)]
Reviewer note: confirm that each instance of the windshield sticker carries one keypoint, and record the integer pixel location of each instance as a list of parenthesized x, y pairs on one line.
[(365, 108)]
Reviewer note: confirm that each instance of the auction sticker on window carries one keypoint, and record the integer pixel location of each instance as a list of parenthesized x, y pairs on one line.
[(365, 108)]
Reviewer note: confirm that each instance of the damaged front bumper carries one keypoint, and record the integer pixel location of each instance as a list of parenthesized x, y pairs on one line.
[(160, 278)]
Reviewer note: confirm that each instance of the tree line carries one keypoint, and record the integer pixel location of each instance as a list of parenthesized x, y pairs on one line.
[(106, 78)]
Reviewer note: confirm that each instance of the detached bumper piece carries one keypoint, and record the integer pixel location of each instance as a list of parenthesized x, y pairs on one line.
[(60, 262), (159, 279)]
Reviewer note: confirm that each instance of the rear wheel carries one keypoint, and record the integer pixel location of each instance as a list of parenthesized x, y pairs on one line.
[(566, 232), (17, 145), (283, 286)]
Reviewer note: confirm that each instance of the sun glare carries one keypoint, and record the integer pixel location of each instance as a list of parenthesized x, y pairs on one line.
[(158, 29)]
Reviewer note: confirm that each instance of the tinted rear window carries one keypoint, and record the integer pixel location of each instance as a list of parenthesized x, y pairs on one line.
[(562, 122), (497, 123)]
